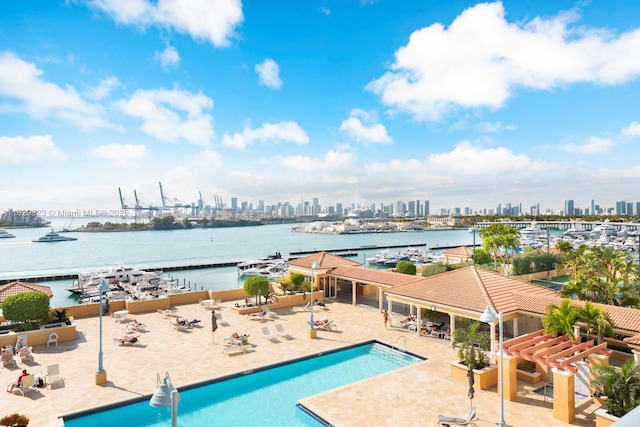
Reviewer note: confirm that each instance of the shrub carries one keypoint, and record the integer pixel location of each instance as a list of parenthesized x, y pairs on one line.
[(621, 386), (26, 306), (406, 267), (297, 279), (527, 366), (14, 420), (433, 269)]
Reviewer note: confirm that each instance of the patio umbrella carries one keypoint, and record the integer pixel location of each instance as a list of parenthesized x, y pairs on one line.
[(471, 382), (214, 324)]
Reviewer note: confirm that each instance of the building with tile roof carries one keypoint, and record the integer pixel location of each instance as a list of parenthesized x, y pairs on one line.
[(15, 288)]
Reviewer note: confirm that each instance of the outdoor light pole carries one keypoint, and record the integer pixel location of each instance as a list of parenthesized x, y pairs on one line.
[(166, 395), (312, 331), (489, 317), (101, 375)]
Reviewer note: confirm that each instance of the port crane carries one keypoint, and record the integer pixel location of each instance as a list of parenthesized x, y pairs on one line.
[(169, 203)]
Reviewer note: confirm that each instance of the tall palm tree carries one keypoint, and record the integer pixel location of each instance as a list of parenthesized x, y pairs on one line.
[(622, 387), (560, 319)]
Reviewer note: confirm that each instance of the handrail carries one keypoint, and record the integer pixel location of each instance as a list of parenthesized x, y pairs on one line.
[(400, 338)]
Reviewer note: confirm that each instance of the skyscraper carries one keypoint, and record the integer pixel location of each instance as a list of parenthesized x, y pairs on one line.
[(426, 208), (568, 207)]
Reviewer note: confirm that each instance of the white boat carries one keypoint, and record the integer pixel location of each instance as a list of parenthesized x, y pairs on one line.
[(4, 234), (52, 236), (271, 266), (115, 278)]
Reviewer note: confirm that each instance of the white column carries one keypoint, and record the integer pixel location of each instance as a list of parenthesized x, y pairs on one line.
[(636, 356), (516, 332), (452, 323), (380, 302), (576, 332), (353, 292)]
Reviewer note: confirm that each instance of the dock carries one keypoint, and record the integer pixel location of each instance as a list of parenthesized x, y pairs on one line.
[(360, 248)]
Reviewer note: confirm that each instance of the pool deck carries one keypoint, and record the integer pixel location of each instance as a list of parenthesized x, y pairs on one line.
[(411, 396)]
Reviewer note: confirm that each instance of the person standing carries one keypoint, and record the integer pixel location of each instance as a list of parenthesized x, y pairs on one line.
[(387, 321), (107, 311)]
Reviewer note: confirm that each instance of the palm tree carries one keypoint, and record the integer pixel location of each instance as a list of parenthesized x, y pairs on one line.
[(560, 319), (498, 238), (622, 387), (596, 320), (467, 340)]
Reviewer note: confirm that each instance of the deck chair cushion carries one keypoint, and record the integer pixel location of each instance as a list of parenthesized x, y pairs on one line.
[(449, 421)]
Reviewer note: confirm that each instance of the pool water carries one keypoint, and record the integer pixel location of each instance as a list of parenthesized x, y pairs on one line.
[(547, 391), (266, 397)]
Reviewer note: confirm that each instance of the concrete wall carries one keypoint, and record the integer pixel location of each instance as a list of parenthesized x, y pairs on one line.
[(40, 336)]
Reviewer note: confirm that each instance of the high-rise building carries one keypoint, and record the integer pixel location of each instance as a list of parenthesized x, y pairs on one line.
[(629, 208), (621, 207), (637, 208), (426, 208), (593, 207), (339, 208), (411, 207), (234, 203), (568, 207)]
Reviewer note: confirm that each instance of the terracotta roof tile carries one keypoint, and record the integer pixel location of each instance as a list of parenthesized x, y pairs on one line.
[(366, 275), (15, 288), (325, 259), (471, 288), (460, 251), (634, 340)]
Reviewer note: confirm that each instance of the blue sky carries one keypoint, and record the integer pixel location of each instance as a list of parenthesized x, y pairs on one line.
[(462, 103)]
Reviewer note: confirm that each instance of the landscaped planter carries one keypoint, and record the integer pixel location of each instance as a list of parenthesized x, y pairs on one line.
[(530, 377), (604, 419), (483, 378)]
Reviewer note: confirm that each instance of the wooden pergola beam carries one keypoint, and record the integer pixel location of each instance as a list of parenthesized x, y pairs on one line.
[(522, 338), (528, 353), (597, 349), (574, 348), (551, 350), (529, 343)]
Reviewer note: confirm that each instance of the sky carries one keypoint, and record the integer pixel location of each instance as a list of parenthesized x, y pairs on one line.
[(462, 103)]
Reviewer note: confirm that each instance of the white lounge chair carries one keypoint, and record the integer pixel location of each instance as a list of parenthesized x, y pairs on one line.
[(282, 332), (221, 321), (7, 357), (268, 312), (326, 326), (26, 385), (26, 355), (53, 376), (258, 316), (268, 335), (452, 421)]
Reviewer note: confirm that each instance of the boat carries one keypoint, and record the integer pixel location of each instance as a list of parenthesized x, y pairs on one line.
[(4, 234), (271, 266), (52, 236), (115, 278)]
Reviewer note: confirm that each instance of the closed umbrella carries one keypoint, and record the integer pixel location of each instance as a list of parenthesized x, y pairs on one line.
[(214, 325), (471, 382)]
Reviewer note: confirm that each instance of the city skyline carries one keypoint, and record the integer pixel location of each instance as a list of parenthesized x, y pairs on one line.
[(462, 103)]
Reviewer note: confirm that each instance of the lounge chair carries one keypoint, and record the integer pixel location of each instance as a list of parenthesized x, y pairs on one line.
[(53, 376), (127, 339), (134, 327), (268, 335), (221, 321), (268, 312), (283, 333), (26, 385), (326, 326), (7, 357), (258, 316), (452, 421), (25, 355)]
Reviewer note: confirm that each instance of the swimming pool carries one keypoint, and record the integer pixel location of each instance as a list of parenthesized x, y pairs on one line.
[(265, 397)]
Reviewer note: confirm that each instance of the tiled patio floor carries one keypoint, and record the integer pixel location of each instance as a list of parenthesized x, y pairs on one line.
[(412, 396)]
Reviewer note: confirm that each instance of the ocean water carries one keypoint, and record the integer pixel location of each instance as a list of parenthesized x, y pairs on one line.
[(20, 257)]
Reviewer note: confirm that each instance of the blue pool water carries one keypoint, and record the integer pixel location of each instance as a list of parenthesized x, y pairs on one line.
[(267, 397)]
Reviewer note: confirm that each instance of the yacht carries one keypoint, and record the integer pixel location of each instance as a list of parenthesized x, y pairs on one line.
[(52, 236), (4, 234), (115, 277)]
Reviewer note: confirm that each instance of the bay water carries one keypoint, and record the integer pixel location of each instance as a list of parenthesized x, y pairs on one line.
[(21, 258)]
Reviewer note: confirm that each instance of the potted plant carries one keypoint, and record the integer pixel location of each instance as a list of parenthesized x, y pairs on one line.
[(621, 387), (14, 420), (471, 343)]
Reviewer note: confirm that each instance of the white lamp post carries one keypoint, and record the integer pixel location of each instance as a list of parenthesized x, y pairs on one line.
[(489, 317), (314, 266), (166, 395), (101, 375)]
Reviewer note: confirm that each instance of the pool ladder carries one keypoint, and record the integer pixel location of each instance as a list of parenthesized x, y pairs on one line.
[(396, 343)]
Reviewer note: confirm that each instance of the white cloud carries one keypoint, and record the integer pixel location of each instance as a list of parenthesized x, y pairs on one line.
[(333, 159), (20, 150), (362, 126), (104, 88), (269, 74), (21, 82), (325, 10), (168, 57), (632, 130), (468, 159), (480, 59), (123, 155), (171, 115), (212, 21), (283, 131), (207, 158), (488, 127), (593, 146)]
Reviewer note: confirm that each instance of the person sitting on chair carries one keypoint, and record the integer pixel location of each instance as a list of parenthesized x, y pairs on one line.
[(409, 318), (321, 322), (126, 339), (20, 345), (17, 383), (318, 302)]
